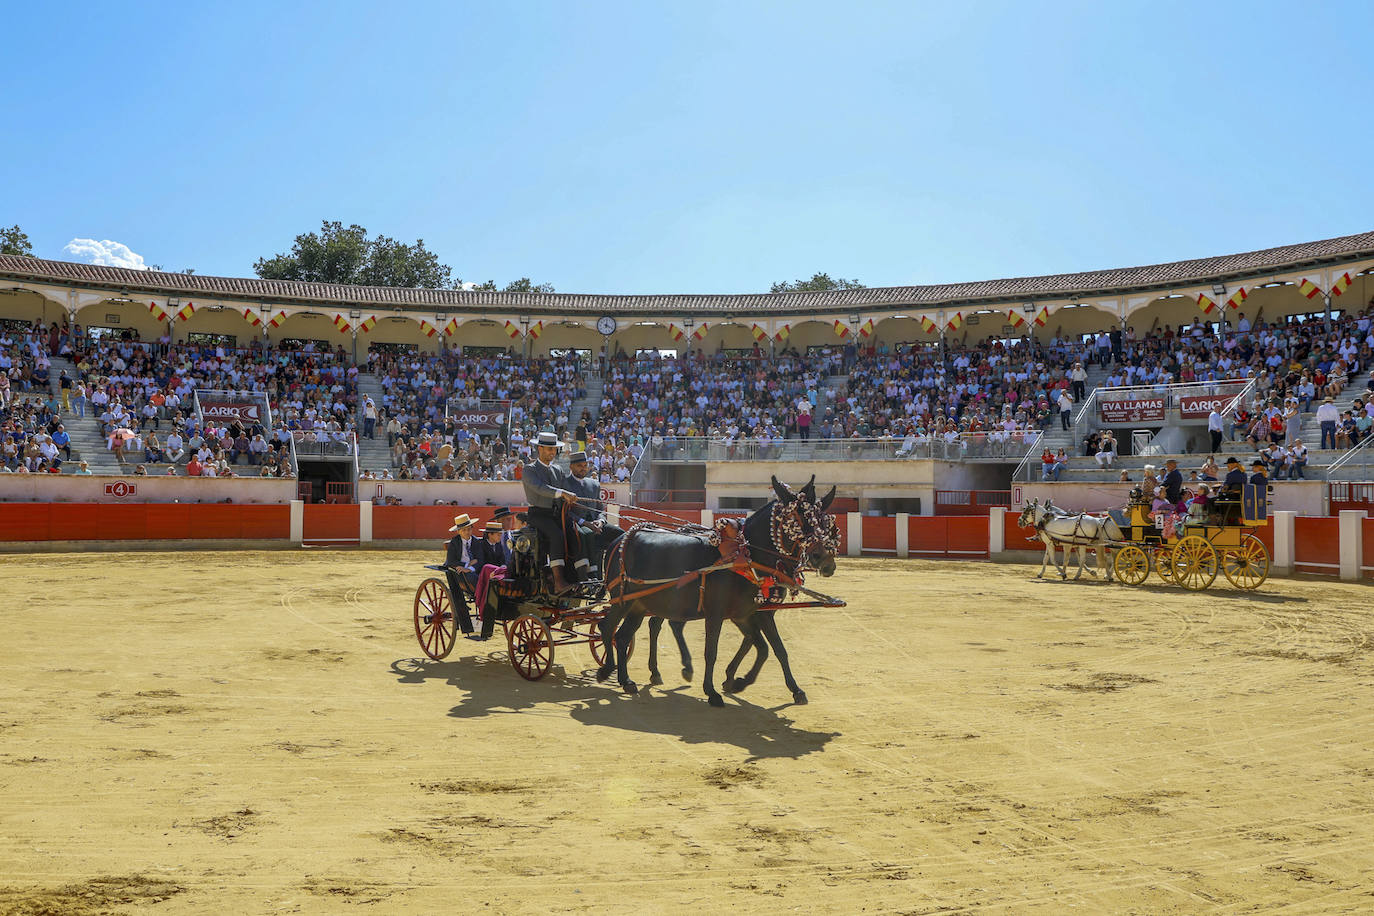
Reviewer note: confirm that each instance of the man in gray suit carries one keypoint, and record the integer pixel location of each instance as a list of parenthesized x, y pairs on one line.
[(597, 534), (544, 486)]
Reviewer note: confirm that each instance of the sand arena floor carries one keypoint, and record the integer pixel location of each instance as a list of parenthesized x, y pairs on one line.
[(235, 733)]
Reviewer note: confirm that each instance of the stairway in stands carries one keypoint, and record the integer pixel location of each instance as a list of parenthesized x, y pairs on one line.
[(591, 402), (88, 441), (373, 454)]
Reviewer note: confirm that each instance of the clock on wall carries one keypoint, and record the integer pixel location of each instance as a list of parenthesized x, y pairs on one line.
[(606, 325)]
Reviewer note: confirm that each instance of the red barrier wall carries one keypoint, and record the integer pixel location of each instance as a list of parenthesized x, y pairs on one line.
[(330, 523), (948, 535), (880, 535), (1018, 538), (1317, 544), (1367, 546), (144, 521)]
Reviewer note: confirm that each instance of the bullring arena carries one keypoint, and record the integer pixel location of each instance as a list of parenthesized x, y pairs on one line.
[(213, 698), (253, 731)]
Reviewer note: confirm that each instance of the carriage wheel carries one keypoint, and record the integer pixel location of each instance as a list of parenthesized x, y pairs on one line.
[(530, 643), (1195, 563), (1131, 565), (598, 652), (1164, 562), (435, 626), (1246, 566)]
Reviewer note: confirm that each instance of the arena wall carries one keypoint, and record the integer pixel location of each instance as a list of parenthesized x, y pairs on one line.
[(80, 488), (1305, 497)]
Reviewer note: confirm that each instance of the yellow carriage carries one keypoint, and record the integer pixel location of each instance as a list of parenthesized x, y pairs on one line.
[(1192, 551)]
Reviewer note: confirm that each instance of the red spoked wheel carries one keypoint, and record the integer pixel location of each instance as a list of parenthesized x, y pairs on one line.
[(435, 626), (599, 651), (530, 644)]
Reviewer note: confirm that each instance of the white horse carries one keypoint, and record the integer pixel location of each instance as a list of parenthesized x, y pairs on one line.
[(1080, 532)]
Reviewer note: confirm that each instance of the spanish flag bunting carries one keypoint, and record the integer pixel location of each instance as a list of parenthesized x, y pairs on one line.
[(451, 328), (252, 318), (368, 323), (427, 329), (841, 329), (186, 311), (276, 320), (700, 332), (1239, 296), (1341, 285), (866, 329), (1308, 288), (758, 332), (927, 325), (342, 324), (1042, 317), (783, 333), (1015, 318), (536, 329), (158, 312), (512, 329), (1205, 303), (955, 321), (674, 331)]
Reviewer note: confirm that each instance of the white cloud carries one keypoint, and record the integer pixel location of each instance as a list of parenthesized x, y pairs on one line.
[(106, 253)]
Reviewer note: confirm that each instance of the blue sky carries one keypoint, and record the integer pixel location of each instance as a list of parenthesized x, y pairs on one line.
[(646, 147)]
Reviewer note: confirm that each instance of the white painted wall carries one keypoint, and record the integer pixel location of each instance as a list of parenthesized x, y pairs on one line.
[(72, 488), (426, 492)]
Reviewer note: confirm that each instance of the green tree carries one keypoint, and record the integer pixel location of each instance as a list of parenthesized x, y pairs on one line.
[(337, 254), (14, 241), (523, 285), (818, 283)]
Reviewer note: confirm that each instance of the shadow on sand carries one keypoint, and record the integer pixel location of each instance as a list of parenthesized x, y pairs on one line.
[(493, 688), (1221, 590)]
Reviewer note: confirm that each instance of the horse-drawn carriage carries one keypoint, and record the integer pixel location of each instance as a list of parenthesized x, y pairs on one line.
[(731, 571), (1190, 551), (1187, 550)]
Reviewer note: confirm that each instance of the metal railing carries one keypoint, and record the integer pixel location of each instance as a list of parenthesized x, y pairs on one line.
[(1357, 457), (327, 449), (1027, 466), (985, 446)]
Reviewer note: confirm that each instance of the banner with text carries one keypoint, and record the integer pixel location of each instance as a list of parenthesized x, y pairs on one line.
[(1137, 410), (1200, 407), (227, 411), (482, 418)]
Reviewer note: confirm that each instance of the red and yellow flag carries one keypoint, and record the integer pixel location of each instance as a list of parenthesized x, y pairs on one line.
[(866, 329), (368, 323), (954, 321), (700, 332), (536, 329), (159, 313), (276, 320), (427, 329), (451, 328), (1309, 289), (512, 329), (252, 318), (1015, 318), (1205, 303), (927, 325), (186, 311), (1342, 284), (841, 329), (758, 332), (783, 333), (1239, 296), (1042, 317), (675, 332), (341, 323)]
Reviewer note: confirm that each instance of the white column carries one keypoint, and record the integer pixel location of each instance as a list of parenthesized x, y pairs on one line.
[(903, 535), (856, 534), (1352, 543), (997, 530), (297, 521), (1284, 522), (708, 518), (365, 522)]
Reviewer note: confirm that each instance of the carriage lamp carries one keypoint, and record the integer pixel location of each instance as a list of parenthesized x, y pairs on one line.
[(1219, 289)]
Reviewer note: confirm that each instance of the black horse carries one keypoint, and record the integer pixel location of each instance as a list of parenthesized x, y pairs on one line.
[(781, 536)]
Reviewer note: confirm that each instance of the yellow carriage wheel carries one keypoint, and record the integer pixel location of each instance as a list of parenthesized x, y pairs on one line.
[(1163, 556), (1195, 563), (1131, 565), (1246, 566)]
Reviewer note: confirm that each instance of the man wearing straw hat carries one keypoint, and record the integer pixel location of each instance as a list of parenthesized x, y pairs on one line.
[(545, 485), (461, 568)]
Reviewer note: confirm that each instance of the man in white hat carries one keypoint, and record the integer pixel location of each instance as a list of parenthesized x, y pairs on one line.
[(545, 485), (461, 568)]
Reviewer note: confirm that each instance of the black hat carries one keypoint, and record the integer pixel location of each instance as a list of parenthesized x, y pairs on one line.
[(1232, 460), (576, 457), (1257, 463), (501, 512)]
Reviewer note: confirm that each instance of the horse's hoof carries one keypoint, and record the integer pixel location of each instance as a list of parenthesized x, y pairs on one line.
[(715, 699), (655, 678), (604, 672), (687, 674), (799, 697), (630, 688), (734, 685)]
